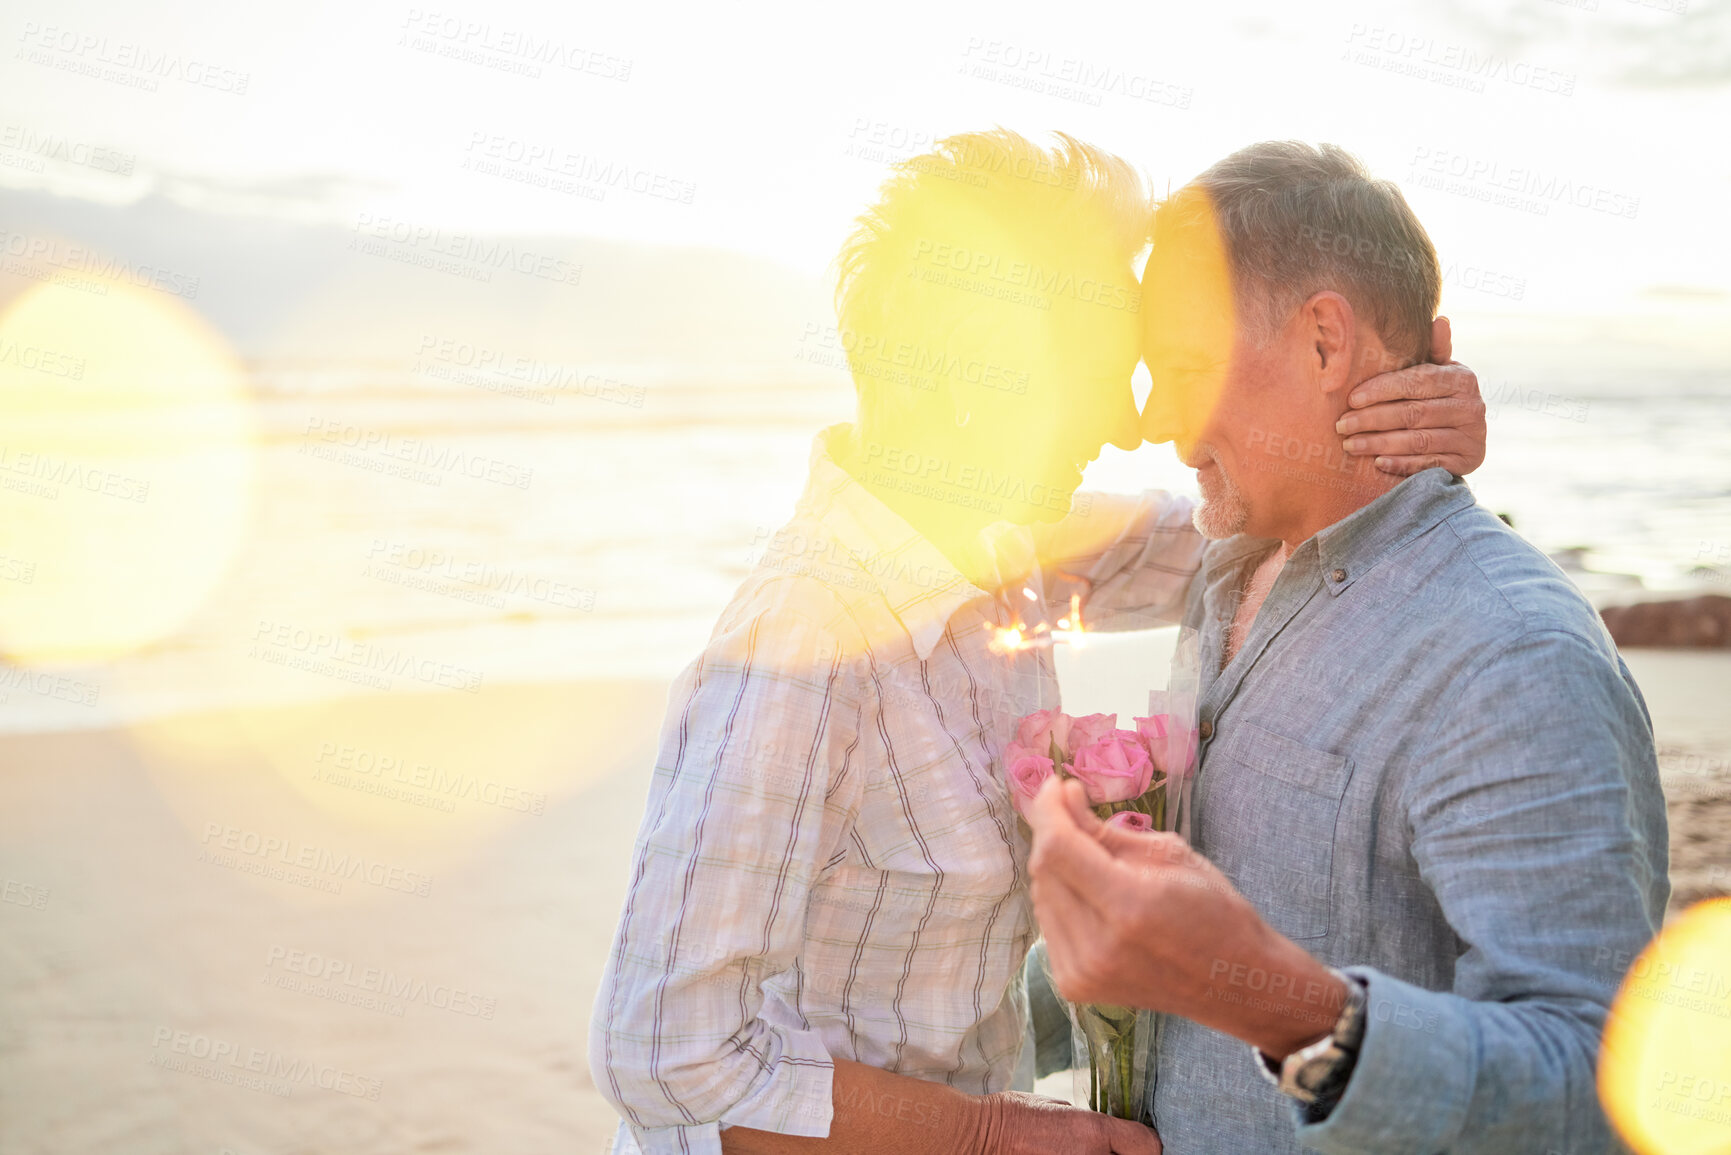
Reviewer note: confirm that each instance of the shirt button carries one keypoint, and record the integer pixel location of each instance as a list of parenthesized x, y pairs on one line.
[(1206, 730), (1339, 575)]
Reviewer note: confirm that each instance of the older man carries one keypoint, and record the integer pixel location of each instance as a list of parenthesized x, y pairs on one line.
[(1427, 818), (822, 941)]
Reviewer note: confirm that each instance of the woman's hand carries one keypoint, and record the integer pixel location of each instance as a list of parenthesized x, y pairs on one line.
[(1423, 416)]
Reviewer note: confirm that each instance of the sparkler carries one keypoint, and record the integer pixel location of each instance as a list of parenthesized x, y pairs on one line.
[(1018, 636)]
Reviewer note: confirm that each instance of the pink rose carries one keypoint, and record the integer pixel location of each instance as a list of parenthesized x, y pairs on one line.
[(1114, 769), (1153, 729), (1027, 773), (1131, 820), (1156, 736), (1039, 730), (1090, 728), (1169, 743)]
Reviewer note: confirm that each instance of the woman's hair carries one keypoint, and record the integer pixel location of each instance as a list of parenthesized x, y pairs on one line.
[(988, 227)]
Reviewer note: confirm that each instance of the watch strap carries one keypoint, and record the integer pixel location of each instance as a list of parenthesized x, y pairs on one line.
[(1316, 1076)]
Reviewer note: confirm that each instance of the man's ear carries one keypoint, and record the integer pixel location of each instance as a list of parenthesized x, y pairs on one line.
[(1332, 328)]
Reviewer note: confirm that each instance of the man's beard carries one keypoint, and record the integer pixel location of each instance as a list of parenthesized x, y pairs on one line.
[(1224, 512)]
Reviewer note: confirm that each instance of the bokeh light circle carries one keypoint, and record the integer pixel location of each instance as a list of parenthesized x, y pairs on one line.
[(127, 458)]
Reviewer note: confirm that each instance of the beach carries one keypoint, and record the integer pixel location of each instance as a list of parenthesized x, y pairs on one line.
[(172, 986), (377, 924)]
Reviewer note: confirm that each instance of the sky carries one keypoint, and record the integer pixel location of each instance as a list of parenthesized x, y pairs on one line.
[(1565, 156)]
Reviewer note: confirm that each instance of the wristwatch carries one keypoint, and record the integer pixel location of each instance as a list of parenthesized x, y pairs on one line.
[(1316, 1075)]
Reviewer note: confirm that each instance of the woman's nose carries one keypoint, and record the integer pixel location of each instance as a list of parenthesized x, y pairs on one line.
[(1161, 420), (1126, 430)]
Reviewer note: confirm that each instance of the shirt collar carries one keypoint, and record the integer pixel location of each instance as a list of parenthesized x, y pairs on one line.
[(922, 587), (1358, 542)]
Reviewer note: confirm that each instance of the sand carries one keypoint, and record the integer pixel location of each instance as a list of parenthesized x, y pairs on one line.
[(161, 994), (139, 939)]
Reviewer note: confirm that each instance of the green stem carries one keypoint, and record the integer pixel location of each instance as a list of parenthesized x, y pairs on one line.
[(1127, 1077)]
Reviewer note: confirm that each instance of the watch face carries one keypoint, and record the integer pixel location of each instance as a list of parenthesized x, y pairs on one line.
[(1321, 1075)]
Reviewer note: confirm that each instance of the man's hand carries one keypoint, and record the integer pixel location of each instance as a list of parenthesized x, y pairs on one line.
[(1142, 920), (1419, 417)]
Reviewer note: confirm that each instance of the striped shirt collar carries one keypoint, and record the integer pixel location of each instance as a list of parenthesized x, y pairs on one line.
[(922, 587)]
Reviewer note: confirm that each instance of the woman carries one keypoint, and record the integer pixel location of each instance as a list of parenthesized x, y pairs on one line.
[(822, 942)]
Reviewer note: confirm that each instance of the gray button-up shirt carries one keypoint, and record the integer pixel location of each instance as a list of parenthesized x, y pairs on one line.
[(1430, 768)]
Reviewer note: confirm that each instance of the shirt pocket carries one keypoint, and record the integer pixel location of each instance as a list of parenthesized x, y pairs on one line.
[(1269, 810)]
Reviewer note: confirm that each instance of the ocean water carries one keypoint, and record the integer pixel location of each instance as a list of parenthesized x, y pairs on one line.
[(419, 532)]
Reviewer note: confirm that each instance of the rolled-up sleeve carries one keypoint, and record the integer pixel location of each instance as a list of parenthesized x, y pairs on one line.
[(1137, 554), (1538, 823), (750, 799)]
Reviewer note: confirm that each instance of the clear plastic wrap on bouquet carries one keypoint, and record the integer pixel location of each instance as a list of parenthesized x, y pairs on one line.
[(1113, 1049), (1110, 1048), (1179, 702)]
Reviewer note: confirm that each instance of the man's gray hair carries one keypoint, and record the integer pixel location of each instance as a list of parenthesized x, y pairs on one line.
[(1298, 218)]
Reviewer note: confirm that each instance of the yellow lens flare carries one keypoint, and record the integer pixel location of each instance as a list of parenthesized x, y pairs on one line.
[(1190, 321), (126, 469), (280, 794), (1665, 1064)]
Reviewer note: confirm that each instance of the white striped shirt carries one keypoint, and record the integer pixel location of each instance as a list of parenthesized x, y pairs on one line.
[(829, 864)]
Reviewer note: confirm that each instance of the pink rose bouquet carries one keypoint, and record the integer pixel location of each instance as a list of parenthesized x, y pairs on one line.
[(1124, 773)]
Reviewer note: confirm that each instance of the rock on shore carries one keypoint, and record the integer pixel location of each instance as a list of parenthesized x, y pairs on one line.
[(1697, 621)]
